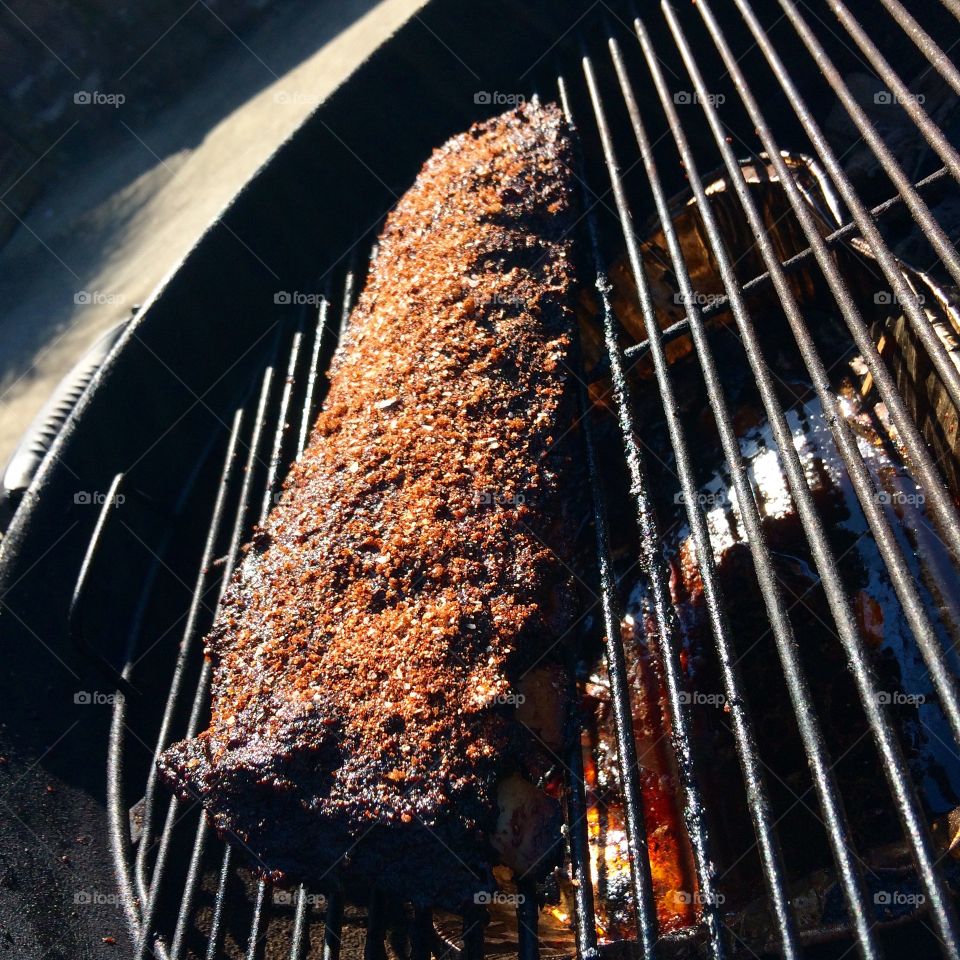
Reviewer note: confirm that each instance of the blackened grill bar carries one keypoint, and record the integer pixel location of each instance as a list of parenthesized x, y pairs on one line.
[(840, 604), (199, 701), (658, 574), (653, 564), (925, 43), (148, 889), (913, 607), (923, 630), (798, 260), (906, 297), (901, 95), (693, 805), (928, 473), (920, 458), (619, 687), (893, 556), (269, 490), (888, 161), (829, 795)]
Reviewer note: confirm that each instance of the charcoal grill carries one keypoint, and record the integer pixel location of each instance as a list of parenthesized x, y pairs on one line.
[(113, 563)]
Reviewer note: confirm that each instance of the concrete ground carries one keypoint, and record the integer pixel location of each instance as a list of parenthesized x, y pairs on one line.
[(110, 229)]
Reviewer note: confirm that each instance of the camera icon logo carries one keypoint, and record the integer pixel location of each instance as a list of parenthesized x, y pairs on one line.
[(482, 96), (282, 297), (83, 97)]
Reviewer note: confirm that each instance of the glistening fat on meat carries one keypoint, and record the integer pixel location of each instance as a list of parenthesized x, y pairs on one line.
[(368, 654)]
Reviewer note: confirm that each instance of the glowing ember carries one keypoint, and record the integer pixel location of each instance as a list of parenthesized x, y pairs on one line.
[(674, 885)]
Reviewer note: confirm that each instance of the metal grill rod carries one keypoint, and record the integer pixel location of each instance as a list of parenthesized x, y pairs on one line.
[(895, 765), (885, 259), (373, 944), (298, 942), (693, 811), (901, 577), (421, 935), (940, 903), (528, 920), (620, 700), (781, 627), (118, 826), (657, 574), (849, 229), (193, 873), (921, 462), (332, 925), (142, 925), (333, 918), (253, 940), (616, 663), (149, 893), (348, 291), (313, 374), (585, 916), (216, 921), (200, 696), (269, 486), (925, 43), (75, 611), (933, 232), (799, 488), (931, 131)]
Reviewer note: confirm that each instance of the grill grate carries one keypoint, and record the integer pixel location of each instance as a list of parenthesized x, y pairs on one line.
[(246, 492)]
